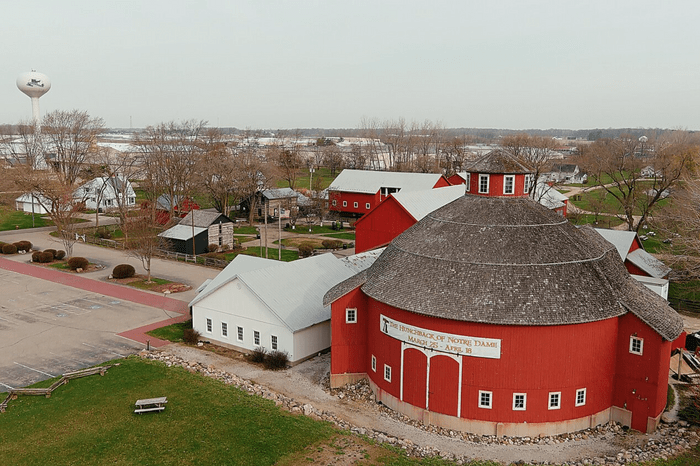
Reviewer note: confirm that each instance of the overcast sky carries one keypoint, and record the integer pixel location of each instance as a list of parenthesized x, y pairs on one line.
[(298, 64)]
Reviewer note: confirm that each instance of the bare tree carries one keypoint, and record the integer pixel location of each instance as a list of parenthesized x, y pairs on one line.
[(71, 137), (617, 164), (217, 171), (534, 151), (143, 240)]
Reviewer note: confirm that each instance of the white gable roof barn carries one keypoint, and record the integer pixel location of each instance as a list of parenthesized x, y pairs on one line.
[(421, 203), (258, 302), (371, 181)]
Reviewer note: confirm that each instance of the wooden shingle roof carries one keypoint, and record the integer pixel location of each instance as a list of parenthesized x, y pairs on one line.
[(499, 161), (508, 261)]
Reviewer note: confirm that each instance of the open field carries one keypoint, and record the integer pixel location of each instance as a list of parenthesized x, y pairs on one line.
[(90, 421)]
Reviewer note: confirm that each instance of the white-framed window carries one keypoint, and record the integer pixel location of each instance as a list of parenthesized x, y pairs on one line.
[(273, 341), (374, 363), (224, 329), (485, 399), (367, 206), (528, 184), (345, 203), (580, 397), (509, 184), (387, 373), (519, 401), (468, 182), (483, 184), (335, 202), (636, 345), (351, 315), (554, 400), (354, 204), (240, 334), (210, 325), (256, 338)]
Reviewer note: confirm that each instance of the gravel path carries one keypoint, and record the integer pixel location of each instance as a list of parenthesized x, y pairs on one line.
[(304, 383)]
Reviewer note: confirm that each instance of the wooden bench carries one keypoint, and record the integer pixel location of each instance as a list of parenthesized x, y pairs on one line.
[(150, 404)]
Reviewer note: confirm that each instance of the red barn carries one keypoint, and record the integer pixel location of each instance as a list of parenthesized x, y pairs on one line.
[(399, 211), (355, 192), (497, 316)]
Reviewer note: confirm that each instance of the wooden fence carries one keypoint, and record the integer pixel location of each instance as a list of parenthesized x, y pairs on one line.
[(203, 260), (685, 305), (15, 392)]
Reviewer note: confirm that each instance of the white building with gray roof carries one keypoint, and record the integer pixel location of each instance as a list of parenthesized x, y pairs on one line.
[(257, 302)]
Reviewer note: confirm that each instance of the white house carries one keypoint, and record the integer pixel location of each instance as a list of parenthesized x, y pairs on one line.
[(33, 203), (257, 302), (104, 193)]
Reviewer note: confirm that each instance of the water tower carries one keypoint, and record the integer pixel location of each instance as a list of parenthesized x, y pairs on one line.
[(34, 85)]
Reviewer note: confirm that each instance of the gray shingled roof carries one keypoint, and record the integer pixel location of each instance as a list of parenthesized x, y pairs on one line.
[(498, 161), (507, 261), (202, 218)]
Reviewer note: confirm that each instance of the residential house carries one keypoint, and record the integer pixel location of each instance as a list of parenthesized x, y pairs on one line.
[(105, 193)]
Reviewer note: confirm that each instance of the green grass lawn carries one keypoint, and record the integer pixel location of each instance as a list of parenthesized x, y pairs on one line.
[(302, 180), (245, 230), (689, 290), (350, 236), (142, 285), (11, 219), (273, 253), (90, 421), (315, 230), (174, 332)]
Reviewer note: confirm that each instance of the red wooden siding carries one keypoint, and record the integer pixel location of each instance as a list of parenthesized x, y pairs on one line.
[(534, 360), (415, 382), (349, 341), (381, 225), (444, 385)]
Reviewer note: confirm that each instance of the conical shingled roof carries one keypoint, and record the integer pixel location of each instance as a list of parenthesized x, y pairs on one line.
[(509, 262), (499, 161)]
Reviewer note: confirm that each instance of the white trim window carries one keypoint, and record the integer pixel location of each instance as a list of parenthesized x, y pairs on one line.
[(636, 345), (224, 329), (509, 184), (580, 397), (468, 182), (519, 401), (554, 400), (210, 325), (387, 373), (345, 203), (239, 333), (256, 338), (528, 184), (351, 315), (273, 342), (354, 205), (483, 184), (335, 202), (374, 363), (485, 399), (367, 206)]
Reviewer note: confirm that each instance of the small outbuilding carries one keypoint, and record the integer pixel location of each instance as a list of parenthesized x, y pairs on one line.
[(180, 238)]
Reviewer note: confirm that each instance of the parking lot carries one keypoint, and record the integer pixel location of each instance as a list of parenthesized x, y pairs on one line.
[(47, 329)]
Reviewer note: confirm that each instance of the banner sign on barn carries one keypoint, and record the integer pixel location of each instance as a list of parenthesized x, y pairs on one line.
[(438, 341)]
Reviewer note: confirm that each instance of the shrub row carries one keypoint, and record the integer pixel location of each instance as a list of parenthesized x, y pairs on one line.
[(12, 248), (274, 360), (48, 255), (332, 244)]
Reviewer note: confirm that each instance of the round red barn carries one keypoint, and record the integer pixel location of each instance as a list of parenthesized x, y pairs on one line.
[(497, 316)]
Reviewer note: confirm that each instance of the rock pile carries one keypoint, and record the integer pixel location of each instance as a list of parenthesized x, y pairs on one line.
[(670, 439)]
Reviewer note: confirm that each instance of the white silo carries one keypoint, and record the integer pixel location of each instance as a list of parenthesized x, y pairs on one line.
[(34, 85)]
